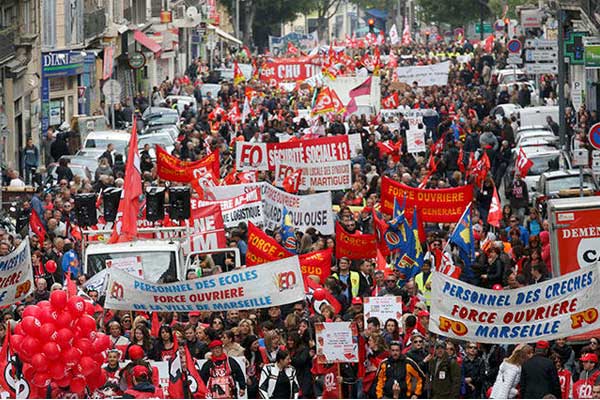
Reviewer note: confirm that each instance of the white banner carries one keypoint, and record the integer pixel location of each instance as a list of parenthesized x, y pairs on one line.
[(243, 208), (415, 140), (131, 265), (16, 275), (425, 75), (311, 210), (560, 307), (337, 342), (271, 284), (382, 308)]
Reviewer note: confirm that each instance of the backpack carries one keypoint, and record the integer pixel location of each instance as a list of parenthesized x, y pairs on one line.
[(220, 384)]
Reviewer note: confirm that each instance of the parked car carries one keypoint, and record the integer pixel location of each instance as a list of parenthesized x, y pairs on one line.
[(157, 116), (563, 184), (170, 129), (536, 138), (544, 158), (78, 170), (182, 101), (99, 140), (504, 110), (163, 139)]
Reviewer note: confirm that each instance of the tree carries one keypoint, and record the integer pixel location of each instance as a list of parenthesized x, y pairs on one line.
[(453, 12), (497, 7), (325, 9)]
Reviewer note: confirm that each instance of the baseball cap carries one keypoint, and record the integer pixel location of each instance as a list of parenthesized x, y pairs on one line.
[(194, 314), (542, 344), (356, 300), (589, 357), (423, 313), (139, 371), (215, 343)]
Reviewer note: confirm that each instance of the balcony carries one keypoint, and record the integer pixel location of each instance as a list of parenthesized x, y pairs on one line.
[(7, 43), (94, 23)]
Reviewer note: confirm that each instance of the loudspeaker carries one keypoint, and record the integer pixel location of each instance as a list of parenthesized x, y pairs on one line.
[(155, 203), (85, 209), (111, 198), (179, 202)]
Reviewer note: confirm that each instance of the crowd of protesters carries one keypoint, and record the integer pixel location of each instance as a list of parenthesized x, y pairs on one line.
[(399, 358)]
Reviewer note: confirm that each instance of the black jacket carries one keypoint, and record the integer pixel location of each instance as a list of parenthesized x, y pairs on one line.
[(473, 369), (539, 378)]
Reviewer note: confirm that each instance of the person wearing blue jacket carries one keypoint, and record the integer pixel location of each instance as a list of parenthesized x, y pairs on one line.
[(30, 159)]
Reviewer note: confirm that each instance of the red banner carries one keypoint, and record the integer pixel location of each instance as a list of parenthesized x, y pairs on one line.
[(208, 228), (355, 246), (288, 69), (173, 169), (436, 205), (262, 248)]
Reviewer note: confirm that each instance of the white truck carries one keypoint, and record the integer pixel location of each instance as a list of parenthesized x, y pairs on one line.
[(163, 258)]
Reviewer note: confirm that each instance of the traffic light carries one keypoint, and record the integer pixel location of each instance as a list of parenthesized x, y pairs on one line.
[(371, 23)]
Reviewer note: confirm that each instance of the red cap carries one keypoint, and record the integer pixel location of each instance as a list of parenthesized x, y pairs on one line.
[(139, 370), (542, 344), (194, 314), (357, 300), (136, 352), (423, 313), (589, 357), (215, 343)]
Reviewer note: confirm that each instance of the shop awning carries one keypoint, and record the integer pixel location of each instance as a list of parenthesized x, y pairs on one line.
[(147, 42), (225, 35)]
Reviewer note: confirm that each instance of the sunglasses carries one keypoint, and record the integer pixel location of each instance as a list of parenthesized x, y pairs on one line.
[(417, 341), (472, 347)]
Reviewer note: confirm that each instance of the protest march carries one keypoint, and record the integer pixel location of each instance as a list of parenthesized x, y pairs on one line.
[(375, 217)]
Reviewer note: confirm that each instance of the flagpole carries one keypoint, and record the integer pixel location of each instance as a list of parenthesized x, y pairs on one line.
[(446, 247)]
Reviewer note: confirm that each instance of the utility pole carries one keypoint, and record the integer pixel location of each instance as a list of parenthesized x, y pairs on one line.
[(562, 131), (481, 20)]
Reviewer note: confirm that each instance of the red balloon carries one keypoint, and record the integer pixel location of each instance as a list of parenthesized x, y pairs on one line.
[(48, 315), (97, 380), (84, 344), (28, 371), (31, 326), (64, 337), (89, 308), (41, 379), (86, 324), (71, 357), (497, 286), (19, 330), (52, 351), (48, 331), (64, 381), (319, 294), (44, 304), (16, 341), (57, 370), (99, 345), (51, 266), (65, 319), (76, 305), (30, 346), (104, 339), (58, 299), (88, 365), (77, 384), (39, 362), (32, 311), (99, 358)]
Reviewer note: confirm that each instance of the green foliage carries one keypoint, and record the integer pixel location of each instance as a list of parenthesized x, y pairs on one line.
[(453, 12), (497, 7)]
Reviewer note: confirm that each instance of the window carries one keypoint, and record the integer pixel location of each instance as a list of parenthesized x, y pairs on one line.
[(49, 24), (9, 16)]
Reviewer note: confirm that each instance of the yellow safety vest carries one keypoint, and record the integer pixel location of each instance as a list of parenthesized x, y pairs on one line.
[(421, 286), (354, 282)]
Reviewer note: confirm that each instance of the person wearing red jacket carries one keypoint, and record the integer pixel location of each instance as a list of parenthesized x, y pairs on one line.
[(582, 389), (564, 376), (142, 386), (376, 353)]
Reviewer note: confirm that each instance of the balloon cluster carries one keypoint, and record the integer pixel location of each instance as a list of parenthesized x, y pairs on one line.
[(57, 342)]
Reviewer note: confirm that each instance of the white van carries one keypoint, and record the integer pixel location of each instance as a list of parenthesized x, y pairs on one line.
[(98, 140), (536, 116)]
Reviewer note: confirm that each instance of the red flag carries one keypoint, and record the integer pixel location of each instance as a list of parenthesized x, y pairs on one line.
[(238, 76), (263, 248), (7, 374), (155, 328), (71, 286), (489, 44), (329, 298), (362, 89), (246, 51), (495, 213), (523, 164), (391, 101), (354, 245), (125, 227), (291, 182), (461, 161), (292, 49), (176, 375), (36, 226), (195, 383), (323, 102), (381, 227), (438, 147), (351, 107)]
